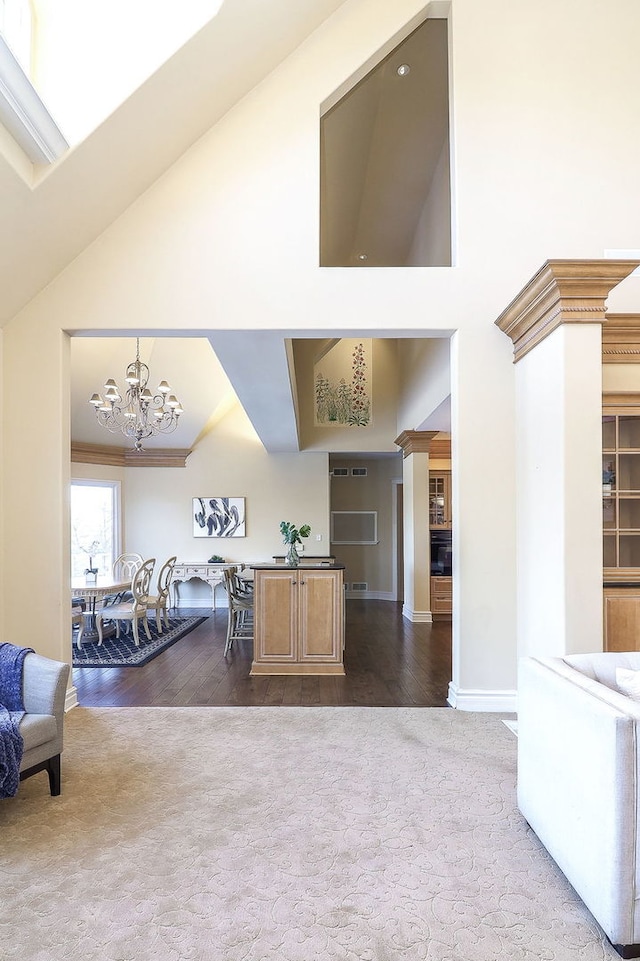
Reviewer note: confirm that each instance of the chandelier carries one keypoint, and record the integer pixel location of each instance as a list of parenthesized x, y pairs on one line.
[(139, 413)]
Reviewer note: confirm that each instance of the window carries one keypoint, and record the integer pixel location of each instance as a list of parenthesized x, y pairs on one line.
[(16, 23), (95, 524)]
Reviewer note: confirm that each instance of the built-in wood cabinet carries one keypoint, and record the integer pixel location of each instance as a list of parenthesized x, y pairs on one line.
[(622, 618), (441, 597), (621, 522), (440, 525), (298, 620), (440, 500), (621, 491)]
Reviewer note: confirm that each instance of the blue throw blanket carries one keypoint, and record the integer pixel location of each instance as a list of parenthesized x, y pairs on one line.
[(11, 712)]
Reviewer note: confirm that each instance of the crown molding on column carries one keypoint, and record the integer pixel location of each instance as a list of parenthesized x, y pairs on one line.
[(415, 441), (561, 292), (124, 457)]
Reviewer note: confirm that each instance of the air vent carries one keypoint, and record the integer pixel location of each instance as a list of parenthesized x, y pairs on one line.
[(340, 472), (358, 471), (359, 586)]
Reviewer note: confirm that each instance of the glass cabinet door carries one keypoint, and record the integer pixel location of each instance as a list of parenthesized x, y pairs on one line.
[(439, 501)]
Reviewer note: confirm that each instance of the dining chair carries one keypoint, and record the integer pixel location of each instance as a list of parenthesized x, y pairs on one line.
[(132, 610), (240, 618), (77, 623), (160, 601), (123, 569)]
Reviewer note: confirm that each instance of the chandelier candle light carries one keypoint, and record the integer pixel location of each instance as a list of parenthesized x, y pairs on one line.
[(140, 413)]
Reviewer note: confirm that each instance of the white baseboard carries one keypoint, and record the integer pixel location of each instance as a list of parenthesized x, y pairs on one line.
[(71, 699), (370, 595), (417, 617), (482, 700)]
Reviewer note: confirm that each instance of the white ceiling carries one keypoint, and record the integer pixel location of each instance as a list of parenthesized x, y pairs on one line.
[(189, 364)]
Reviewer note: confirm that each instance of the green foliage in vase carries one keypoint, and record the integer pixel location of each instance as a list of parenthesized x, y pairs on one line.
[(293, 535)]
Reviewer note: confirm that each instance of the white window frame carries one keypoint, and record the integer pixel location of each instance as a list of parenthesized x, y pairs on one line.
[(116, 504)]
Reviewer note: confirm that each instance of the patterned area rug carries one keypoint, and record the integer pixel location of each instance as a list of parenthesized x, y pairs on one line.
[(122, 651)]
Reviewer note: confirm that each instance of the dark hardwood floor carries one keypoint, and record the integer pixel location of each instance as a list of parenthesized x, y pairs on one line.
[(389, 662)]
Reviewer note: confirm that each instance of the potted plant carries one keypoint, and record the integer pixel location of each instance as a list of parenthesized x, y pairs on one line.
[(291, 536)]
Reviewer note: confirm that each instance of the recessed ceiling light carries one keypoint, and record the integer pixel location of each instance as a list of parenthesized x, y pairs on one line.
[(403, 70), (362, 256)]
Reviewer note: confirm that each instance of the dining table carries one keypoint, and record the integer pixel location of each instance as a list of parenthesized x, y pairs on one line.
[(91, 593)]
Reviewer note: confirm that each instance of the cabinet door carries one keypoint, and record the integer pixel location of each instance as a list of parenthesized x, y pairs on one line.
[(621, 619), (441, 595), (440, 500), (275, 616), (321, 623)]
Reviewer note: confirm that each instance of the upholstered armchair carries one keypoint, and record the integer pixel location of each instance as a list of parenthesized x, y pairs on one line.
[(44, 685)]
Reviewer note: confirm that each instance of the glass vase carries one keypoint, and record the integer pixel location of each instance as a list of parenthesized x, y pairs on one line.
[(292, 559)]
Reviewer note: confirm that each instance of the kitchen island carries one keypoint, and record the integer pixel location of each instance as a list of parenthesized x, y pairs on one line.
[(298, 618)]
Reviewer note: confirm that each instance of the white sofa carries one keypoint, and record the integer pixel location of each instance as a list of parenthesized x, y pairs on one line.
[(578, 773)]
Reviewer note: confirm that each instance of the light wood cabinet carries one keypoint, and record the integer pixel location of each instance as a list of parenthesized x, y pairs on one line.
[(298, 620), (441, 596), (621, 522), (622, 618), (440, 500)]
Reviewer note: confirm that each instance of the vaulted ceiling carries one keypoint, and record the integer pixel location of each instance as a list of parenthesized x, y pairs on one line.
[(49, 216)]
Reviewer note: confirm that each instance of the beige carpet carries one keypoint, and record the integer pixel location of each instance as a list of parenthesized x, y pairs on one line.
[(288, 834)]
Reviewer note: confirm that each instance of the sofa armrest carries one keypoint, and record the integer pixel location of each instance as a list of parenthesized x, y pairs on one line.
[(44, 686), (577, 786)]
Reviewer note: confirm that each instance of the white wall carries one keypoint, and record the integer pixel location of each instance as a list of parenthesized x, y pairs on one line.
[(545, 152), (228, 462), (372, 564)]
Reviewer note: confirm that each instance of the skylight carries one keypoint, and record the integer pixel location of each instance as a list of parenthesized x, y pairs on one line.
[(88, 58)]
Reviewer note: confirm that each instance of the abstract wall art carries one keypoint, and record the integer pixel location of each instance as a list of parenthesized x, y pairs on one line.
[(218, 517)]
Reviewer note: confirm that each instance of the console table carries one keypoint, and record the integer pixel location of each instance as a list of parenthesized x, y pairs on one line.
[(211, 574)]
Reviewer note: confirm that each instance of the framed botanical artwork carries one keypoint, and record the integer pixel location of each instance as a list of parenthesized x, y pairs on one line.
[(218, 517)]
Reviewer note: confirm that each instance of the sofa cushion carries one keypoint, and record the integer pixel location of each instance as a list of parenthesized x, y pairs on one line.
[(628, 682), (602, 665), (37, 729)]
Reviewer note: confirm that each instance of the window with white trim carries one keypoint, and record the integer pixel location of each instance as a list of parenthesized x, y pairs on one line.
[(16, 26), (95, 525)]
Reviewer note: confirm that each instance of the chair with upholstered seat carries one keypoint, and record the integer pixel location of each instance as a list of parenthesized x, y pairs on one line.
[(133, 610), (44, 687), (160, 601), (240, 619)]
